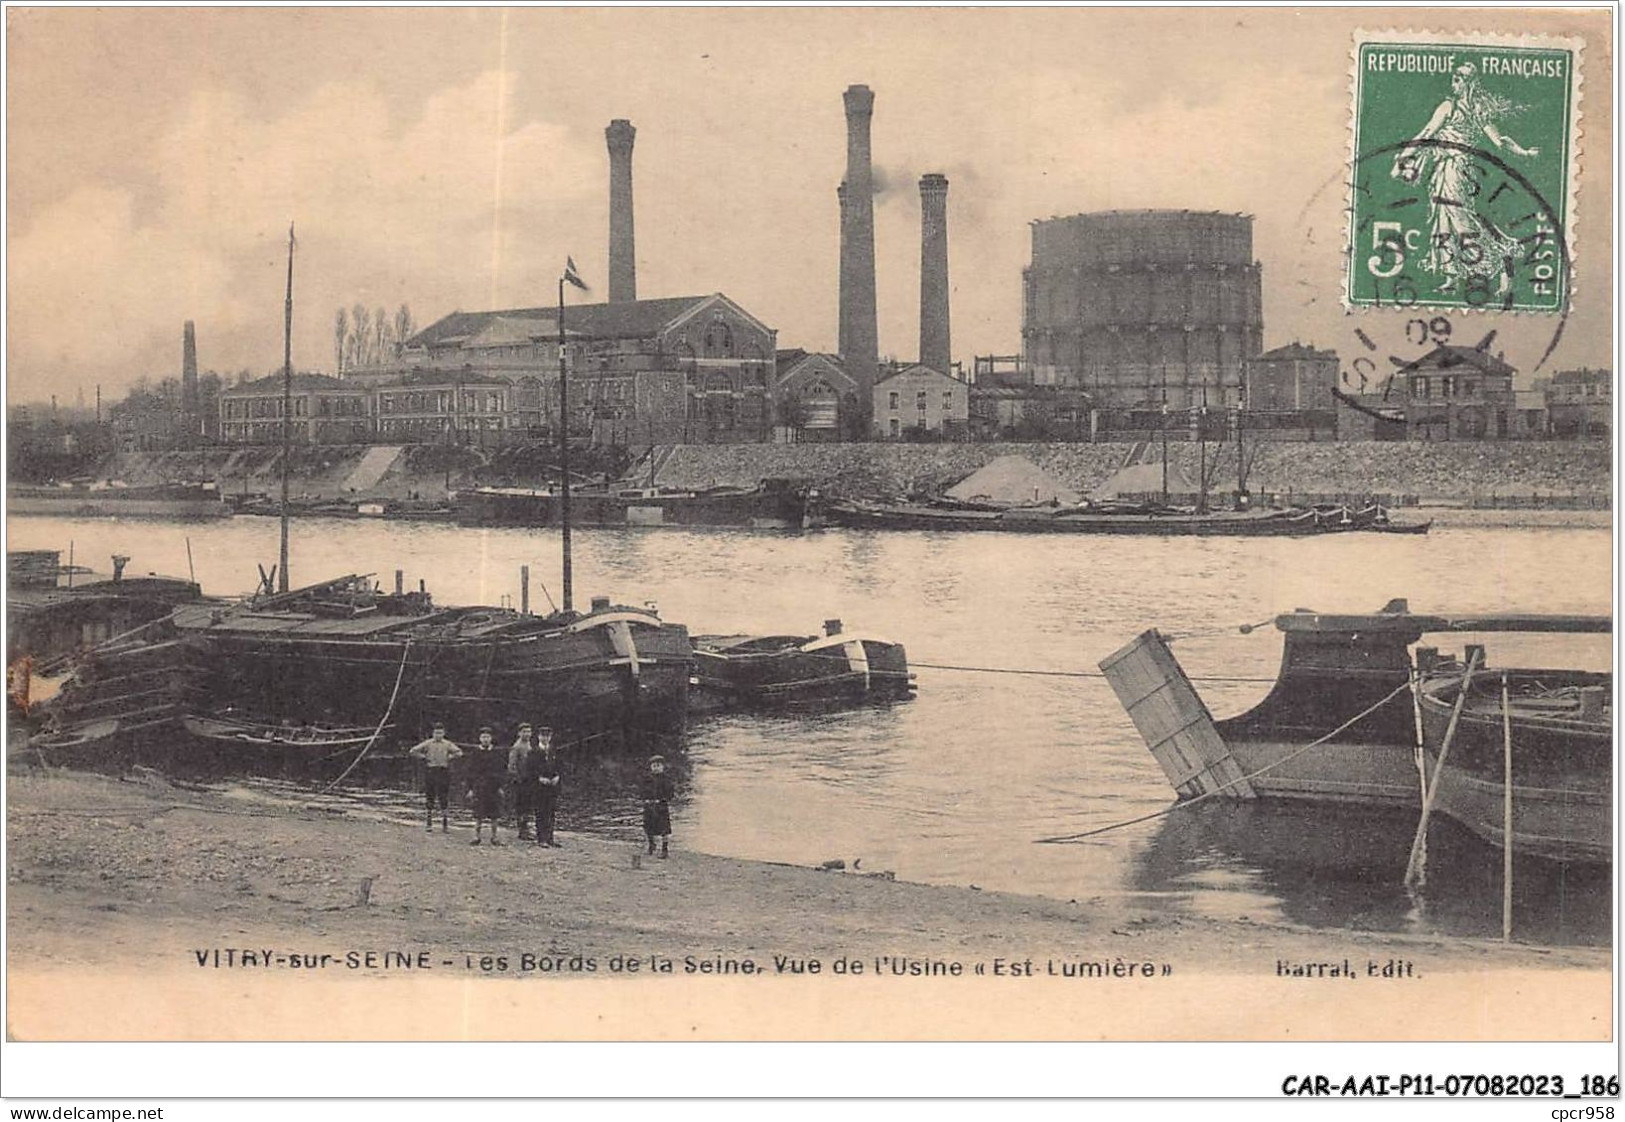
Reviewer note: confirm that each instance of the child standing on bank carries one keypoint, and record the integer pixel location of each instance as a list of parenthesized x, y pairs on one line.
[(657, 796), (436, 753), (487, 771)]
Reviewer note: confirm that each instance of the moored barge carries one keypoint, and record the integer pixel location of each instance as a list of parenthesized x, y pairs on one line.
[(774, 671), (1340, 724), (772, 504)]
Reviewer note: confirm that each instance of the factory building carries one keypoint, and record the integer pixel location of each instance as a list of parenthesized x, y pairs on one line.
[(815, 400), (684, 368), (1144, 307)]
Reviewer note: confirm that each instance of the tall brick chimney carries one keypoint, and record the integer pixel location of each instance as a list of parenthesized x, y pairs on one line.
[(862, 345), (623, 267), (934, 343), (846, 265), (189, 397)]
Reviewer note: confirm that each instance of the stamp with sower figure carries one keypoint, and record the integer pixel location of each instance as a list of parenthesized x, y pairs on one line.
[(1463, 171)]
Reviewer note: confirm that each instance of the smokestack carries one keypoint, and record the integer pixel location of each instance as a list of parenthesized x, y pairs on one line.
[(934, 345), (189, 400), (862, 346), (623, 267), (846, 265)]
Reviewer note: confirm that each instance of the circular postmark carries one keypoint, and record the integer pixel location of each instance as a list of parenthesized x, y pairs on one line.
[(1484, 265)]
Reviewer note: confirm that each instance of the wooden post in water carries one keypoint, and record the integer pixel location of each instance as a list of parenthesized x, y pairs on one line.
[(70, 562), (1413, 867), (524, 590), (1506, 814), (191, 573)]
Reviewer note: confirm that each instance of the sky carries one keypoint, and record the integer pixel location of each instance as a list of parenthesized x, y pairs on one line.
[(450, 159)]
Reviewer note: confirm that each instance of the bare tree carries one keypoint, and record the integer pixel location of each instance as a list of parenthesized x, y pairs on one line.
[(359, 324), (341, 330), (380, 334), (403, 327)]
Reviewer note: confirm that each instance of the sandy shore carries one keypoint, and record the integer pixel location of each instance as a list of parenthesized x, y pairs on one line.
[(118, 886)]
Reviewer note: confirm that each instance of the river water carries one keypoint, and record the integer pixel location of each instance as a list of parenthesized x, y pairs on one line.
[(956, 786)]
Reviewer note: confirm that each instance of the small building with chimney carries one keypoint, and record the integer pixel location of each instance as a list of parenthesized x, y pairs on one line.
[(1461, 393), (912, 401)]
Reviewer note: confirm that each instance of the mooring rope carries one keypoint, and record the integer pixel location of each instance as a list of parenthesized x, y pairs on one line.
[(1165, 811), (382, 721)]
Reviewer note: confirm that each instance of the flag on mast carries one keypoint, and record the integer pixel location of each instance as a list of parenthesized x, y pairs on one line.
[(573, 277)]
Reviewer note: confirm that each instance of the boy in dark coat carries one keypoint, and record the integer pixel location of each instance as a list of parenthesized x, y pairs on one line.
[(545, 766), (657, 796), (487, 771)]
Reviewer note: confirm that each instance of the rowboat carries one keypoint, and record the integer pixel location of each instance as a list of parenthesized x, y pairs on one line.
[(1556, 726), (837, 667)]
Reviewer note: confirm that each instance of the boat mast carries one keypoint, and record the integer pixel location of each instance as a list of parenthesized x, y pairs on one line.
[(1162, 427), (287, 408), (564, 452), (1201, 441)]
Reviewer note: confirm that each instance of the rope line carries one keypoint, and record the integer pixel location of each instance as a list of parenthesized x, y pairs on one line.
[(1163, 813), (382, 721)]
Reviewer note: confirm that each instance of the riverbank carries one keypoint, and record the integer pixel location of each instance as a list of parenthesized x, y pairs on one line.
[(1540, 474), (121, 891)]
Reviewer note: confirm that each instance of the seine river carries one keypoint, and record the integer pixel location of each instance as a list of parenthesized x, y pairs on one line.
[(956, 786)]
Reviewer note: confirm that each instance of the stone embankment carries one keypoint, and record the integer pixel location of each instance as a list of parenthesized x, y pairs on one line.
[(1543, 474), (1459, 474)]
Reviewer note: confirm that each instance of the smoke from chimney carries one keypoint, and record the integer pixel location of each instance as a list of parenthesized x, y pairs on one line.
[(861, 345), (623, 269), (934, 338)]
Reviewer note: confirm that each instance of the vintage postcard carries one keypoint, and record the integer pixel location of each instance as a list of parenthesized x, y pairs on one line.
[(550, 524)]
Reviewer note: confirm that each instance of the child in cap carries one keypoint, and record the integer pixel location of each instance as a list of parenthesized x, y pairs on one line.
[(657, 796)]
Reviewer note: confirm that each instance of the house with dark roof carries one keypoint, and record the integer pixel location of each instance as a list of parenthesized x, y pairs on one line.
[(322, 410), (1461, 393), (682, 368), (1289, 379)]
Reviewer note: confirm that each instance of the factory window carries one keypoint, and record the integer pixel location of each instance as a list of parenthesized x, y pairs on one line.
[(896, 426), (1447, 386), (1468, 386), (919, 401), (947, 401), (718, 341), (1421, 387), (894, 402)]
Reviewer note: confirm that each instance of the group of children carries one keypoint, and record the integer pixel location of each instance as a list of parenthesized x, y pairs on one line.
[(530, 770)]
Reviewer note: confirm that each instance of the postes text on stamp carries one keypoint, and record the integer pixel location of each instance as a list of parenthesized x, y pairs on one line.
[(1463, 171)]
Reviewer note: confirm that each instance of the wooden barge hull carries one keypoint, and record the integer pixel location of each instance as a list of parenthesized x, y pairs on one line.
[(1223, 524), (576, 682), (837, 671), (1562, 774), (761, 508), (109, 505)]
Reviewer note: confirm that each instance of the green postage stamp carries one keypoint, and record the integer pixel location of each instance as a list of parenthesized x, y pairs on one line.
[(1463, 164)]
